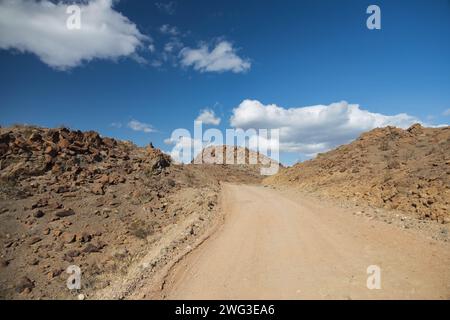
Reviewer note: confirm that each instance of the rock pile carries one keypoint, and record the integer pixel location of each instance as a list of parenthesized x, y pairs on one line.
[(67, 197), (35, 160)]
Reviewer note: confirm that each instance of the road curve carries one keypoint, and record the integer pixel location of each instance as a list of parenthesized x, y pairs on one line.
[(274, 247)]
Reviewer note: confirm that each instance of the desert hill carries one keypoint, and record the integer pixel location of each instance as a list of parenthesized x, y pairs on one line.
[(407, 170), (237, 158), (69, 197)]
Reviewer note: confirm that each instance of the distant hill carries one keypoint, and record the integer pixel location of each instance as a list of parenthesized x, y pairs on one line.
[(236, 155)]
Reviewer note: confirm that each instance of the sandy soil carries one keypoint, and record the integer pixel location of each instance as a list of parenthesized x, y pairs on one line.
[(272, 246)]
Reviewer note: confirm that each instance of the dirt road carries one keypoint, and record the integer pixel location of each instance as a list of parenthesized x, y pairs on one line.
[(274, 247)]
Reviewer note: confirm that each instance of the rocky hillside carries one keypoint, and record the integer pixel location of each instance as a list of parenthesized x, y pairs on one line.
[(37, 160), (406, 170), (76, 198)]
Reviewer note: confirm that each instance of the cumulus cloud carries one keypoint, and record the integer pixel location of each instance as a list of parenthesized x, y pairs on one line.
[(313, 129), (168, 29), (221, 58), (140, 126), (207, 116), (39, 27)]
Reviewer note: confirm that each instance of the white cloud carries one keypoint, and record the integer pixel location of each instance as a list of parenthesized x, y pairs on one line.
[(207, 116), (169, 53), (222, 58), (313, 129), (140, 126), (172, 45), (168, 29), (151, 47), (168, 7), (39, 27), (446, 112)]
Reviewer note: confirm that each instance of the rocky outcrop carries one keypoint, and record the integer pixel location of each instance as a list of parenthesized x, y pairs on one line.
[(36, 160)]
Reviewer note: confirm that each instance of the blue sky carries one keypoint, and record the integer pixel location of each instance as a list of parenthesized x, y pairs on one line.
[(291, 54)]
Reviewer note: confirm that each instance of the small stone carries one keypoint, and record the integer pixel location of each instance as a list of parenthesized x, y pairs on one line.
[(50, 151), (54, 273), (65, 213), (34, 240), (38, 214), (97, 189), (114, 204), (81, 296), (84, 237), (104, 179), (63, 143), (91, 248), (69, 237)]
